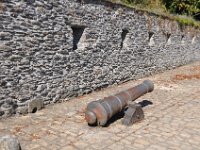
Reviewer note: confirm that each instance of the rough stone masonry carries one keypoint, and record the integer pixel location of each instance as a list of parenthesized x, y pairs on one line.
[(53, 50)]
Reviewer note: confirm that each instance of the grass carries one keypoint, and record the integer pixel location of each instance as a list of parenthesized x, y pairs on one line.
[(159, 9), (188, 21)]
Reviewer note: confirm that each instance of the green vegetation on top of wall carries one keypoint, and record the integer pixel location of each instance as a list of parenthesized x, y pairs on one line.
[(186, 12)]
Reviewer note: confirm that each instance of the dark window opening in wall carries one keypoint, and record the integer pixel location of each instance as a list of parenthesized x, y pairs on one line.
[(150, 35), (168, 37), (150, 40), (77, 33), (182, 38), (193, 39), (123, 36)]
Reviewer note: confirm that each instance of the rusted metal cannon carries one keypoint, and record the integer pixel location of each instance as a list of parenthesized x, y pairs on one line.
[(100, 111)]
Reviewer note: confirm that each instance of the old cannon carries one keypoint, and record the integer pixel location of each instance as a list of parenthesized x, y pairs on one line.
[(100, 111)]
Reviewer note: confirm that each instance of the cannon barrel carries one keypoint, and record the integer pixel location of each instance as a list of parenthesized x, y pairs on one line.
[(100, 111)]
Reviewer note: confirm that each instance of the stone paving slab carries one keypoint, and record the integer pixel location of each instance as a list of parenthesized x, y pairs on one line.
[(171, 122)]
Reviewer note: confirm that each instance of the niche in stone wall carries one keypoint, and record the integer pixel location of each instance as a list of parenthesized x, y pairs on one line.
[(151, 40), (168, 39), (193, 39), (182, 39), (123, 37), (77, 34)]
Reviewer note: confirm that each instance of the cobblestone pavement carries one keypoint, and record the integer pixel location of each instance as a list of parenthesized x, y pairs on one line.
[(171, 122)]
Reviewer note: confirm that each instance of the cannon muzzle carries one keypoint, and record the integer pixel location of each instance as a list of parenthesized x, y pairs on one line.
[(100, 111)]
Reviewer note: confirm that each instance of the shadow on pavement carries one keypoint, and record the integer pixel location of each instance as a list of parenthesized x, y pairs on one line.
[(121, 114)]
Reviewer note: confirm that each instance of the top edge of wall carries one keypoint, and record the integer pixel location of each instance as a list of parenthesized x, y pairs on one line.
[(109, 3)]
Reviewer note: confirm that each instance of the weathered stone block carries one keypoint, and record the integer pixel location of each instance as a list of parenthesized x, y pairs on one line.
[(35, 105), (22, 110), (7, 108), (9, 142)]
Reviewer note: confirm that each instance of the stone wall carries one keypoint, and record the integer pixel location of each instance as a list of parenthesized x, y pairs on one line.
[(54, 50)]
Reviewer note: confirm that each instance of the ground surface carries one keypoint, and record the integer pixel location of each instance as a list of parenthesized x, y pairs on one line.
[(171, 122)]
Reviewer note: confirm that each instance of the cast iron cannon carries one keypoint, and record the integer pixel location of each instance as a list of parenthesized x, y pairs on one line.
[(100, 111)]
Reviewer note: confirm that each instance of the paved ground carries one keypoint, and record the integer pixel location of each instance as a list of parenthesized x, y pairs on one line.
[(171, 122)]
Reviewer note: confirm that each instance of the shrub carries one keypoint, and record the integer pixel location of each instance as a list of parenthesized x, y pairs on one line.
[(184, 7)]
